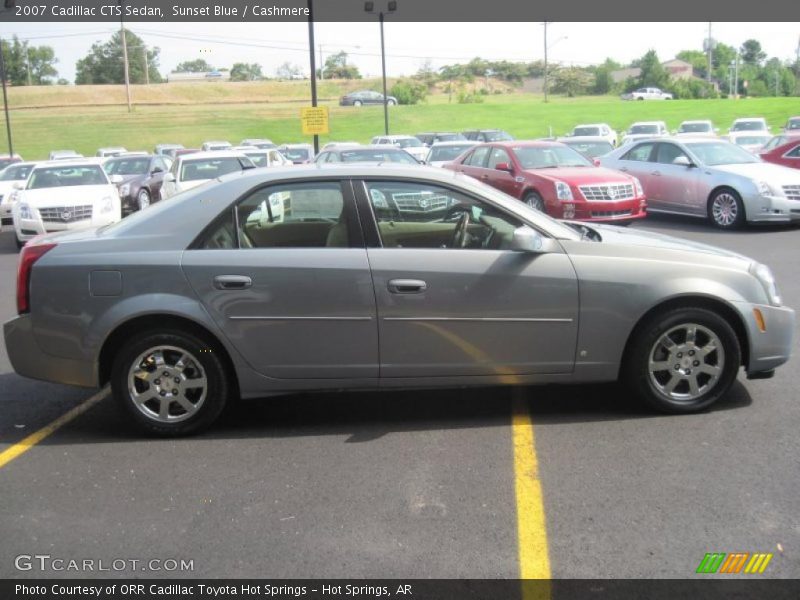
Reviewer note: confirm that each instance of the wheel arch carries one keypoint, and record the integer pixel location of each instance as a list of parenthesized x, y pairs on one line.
[(719, 188)]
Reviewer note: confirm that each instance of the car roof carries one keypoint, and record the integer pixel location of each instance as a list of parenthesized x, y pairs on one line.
[(212, 154), (296, 146), (522, 143), (591, 125), (455, 143), (749, 119), (647, 123), (381, 147), (581, 138), (77, 162)]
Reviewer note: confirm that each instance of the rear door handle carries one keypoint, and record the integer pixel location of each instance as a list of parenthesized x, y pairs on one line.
[(624, 169), (407, 286), (232, 282)]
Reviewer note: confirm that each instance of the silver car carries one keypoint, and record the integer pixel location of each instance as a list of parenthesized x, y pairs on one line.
[(710, 178), (207, 297)]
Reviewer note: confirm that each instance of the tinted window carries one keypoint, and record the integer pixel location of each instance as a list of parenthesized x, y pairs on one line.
[(127, 166), (667, 153), (586, 131), (301, 215), (640, 153), (208, 168), (377, 155), (439, 153), (794, 152), (478, 158)]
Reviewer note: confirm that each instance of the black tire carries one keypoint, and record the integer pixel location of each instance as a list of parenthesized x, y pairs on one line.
[(637, 375), (719, 215), (640, 98), (217, 390), (534, 200), (357, 103), (143, 199)]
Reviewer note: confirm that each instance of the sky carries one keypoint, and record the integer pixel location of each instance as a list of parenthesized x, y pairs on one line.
[(408, 45)]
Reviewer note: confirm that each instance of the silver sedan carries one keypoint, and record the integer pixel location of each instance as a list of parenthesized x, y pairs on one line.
[(710, 178), (216, 295)]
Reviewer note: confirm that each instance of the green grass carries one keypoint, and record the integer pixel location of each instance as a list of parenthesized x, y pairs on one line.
[(86, 128)]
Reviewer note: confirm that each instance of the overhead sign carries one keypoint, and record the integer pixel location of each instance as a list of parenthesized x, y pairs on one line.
[(314, 120)]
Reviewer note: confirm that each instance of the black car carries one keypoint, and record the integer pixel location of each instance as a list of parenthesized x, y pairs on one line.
[(377, 154), (142, 177), (429, 138), (488, 135), (365, 97)]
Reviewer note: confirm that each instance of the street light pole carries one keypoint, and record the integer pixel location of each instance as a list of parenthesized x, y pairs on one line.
[(311, 58), (146, 66), (125, 57), (5, 100), (545, 61), (383, 69)]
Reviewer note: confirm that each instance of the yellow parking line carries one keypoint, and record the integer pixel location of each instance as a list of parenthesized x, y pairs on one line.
[(29, 442), (534, 560)]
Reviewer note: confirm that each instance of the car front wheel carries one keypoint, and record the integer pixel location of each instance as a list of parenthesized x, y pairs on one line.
[(391, 102), (170, 383), (143, 199), (725, 209), (682, 360), (357, 103), (534, 200)]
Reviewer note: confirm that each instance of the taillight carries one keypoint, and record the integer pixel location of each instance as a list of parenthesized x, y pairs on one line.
[(29, 255)]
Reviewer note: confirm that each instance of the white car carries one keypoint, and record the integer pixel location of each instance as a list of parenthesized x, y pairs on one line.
[(64, 195), (263, 157), (750, 125), (263, 144), (340, 145), (64, 155), (752, 141), (112, 151), (14, 173), (167, 149), (647, 93), (601, 131), (190, 170), (215, 146), (704, 128), (409, 143), (644, 129), (441, 153)]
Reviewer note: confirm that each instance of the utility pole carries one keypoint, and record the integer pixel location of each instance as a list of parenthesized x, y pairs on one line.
[(125, 58), (545, 60), (313, 66), (736, 78), (383, 70), (321, 76), (776, 84), (146, 66), (28, 63), (710, 50), (5, 99)]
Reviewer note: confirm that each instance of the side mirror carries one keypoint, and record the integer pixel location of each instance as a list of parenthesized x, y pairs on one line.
[(169, 177), (116, 179), (504, 166), (526, 239), (683, 161)]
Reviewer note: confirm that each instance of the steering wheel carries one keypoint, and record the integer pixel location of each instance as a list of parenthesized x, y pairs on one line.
[(460, 233)]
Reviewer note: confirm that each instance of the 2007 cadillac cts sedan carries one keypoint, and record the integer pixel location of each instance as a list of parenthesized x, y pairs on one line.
[(369, 276)]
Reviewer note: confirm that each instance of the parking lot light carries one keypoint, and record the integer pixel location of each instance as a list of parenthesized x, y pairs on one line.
[(391, 7)]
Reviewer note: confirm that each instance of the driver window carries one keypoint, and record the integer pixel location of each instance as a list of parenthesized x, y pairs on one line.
[(498, 155), (667, 153), (420, 215), (478, 158), (639, 153)]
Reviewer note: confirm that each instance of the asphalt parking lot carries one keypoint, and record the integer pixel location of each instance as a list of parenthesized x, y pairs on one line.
[(416, 484)]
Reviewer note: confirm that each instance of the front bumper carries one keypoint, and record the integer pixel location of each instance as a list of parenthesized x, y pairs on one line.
[(770, 348), (29, 228), (771, 209), (598, 211), (29, 360)]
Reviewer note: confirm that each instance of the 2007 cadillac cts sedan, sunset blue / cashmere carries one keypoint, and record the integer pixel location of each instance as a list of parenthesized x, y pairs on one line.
[(376, 276)]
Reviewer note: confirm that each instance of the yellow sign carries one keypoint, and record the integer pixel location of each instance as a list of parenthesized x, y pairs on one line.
[(314, 120)]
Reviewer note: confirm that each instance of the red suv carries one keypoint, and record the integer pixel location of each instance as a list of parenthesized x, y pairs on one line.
[(555, 179)]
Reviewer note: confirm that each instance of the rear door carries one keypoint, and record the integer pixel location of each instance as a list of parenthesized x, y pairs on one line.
[(294, 296)]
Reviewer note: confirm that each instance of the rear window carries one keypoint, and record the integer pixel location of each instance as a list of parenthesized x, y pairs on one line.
[(50, 177), (209, 168)]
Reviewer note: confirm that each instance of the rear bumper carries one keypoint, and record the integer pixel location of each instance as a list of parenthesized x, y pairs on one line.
[(29, 360), (771, 348)]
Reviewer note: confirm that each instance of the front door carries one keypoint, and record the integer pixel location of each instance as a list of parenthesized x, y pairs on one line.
[(453, 299)]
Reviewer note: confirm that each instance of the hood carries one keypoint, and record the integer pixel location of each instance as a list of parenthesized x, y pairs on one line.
[(764, 171), (582, 175), (77, 195), (188, 185)]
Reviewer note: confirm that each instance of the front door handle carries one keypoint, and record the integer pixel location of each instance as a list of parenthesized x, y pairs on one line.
[(232, 282), (407, 286), (624, 169), (656, 173)]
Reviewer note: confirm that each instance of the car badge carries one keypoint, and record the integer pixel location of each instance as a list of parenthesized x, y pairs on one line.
[(519, 179), (423, 204), (612, 193), (66, 215)]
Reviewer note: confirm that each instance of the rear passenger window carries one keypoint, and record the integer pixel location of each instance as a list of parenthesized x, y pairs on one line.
[(478, 158), (641, 153)]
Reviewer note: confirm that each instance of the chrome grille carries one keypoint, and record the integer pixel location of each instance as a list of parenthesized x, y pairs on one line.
[(608, 191), (792, 192), (610, 213), (418, 202), (66, 214)]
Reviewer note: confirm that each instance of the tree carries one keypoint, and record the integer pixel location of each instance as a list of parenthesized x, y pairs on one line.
[(105, 63), (751, 53), (246, 72), (653, 74), (289, 71), (696, 58), (23, 60), (603, 80), (336, 67), (409, 92), (194, 66), (571, 81), (721, 58)]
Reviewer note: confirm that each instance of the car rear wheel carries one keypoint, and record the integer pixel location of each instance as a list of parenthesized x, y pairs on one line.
[(357, 103), (725, 209), (682, 360), (391, 102), (534, 200), (170, 383), (143, 199)]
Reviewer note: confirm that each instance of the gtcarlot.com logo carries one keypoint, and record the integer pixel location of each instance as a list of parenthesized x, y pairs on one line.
[(735, 562)]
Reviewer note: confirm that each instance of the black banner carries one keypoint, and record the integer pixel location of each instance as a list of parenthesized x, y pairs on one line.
[(412, 589), (401, 10)]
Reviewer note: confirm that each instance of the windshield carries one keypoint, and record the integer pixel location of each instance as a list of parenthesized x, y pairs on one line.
[(259, 158), (296, 153), (409, 143), (644, 129), (721, 153), (440, 153), (751, 140), (51, 177), (208, 168), (4, 162), (549, 157), (591, 149), (127, 166), (587, 131), (694, 128), (748, 126), (497, 136), (15, 173), (377, 155)]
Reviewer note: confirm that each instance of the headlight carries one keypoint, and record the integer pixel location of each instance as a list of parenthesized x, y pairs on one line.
[(767, 279), (25, 211), (563, 191), (638, 185), (125, 189), (107, 204), (764, 188)]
